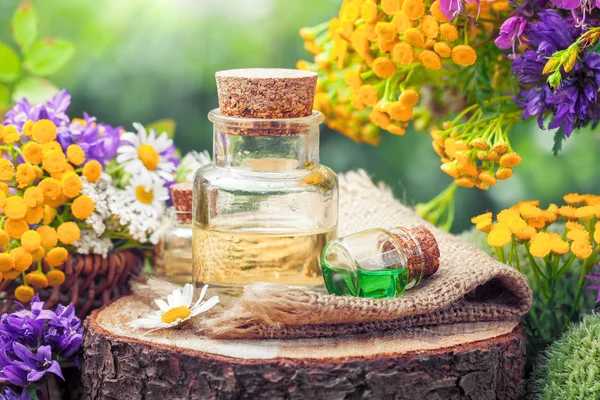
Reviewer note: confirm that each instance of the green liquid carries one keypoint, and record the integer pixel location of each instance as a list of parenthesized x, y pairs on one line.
[(383, 284)]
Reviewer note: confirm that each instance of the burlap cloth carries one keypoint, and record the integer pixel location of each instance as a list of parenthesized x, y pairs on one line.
[(470, 286)]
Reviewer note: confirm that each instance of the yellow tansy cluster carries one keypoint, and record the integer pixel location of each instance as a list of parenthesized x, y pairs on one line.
[(528, 225), (474, 161), (41, 203), (375, 55)]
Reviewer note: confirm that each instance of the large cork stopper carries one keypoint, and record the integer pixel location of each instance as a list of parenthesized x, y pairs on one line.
[(266, 93), (429, 247)]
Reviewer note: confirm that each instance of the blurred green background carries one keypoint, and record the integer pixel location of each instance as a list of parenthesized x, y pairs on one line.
[(143, 60)]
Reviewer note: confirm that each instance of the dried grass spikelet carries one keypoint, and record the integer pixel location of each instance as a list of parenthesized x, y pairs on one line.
[(152, 288)]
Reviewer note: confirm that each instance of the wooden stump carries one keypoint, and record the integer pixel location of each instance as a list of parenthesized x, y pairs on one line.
[(464, 361)]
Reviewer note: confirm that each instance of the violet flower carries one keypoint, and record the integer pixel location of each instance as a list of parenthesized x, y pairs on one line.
[(54, 110), (10, 371), (452, 8), (511, 31), (594, 277), (10, 394), (37, 365)]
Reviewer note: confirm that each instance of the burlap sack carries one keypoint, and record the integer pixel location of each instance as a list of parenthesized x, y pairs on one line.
[(470, 286)]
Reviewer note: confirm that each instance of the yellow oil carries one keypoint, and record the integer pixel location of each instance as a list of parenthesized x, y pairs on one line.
[(234, 258)]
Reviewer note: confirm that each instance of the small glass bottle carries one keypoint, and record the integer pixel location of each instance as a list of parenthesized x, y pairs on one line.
[(265, 208), (379, 263), (177, 257)]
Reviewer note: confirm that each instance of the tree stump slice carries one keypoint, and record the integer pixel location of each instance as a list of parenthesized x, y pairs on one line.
[(477, 361)]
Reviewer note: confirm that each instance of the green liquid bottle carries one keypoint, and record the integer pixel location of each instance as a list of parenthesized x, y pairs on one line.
[(379, 263)]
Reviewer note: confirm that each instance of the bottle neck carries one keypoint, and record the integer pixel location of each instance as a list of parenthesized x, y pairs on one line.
[(266, 145)]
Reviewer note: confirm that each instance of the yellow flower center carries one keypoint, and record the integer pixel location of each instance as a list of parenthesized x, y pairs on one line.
[(143, 195), (181, 312), (149, 156)]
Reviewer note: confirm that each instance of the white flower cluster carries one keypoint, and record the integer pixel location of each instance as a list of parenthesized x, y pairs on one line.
[(117, 215)]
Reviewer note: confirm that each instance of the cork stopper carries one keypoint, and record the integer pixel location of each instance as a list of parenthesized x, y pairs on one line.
[(421, 250), (181, 193), (429, 247), (266, 93)]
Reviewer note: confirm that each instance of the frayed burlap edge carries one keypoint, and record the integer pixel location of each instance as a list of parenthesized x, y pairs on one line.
[(470, 286)]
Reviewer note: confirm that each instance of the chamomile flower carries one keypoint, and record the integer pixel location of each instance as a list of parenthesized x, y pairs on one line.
[(177, 310), (147, 154), (148, 193), (191, 163)]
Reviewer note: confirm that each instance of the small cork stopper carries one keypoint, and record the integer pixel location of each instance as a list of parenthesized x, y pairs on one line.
[(429, 247), (266, 93), (181, 193)]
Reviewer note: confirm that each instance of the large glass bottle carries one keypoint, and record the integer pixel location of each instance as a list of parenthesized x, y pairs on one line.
[(265, 208)]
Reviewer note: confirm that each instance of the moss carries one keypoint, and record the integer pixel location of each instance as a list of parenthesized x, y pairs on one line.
[(570, 368)]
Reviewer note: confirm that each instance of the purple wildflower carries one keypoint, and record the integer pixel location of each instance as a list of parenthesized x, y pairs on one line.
[(10, 371), (10, 394), (511, 31), (452, 8), (37, 365), (55, 110), (594, 277)]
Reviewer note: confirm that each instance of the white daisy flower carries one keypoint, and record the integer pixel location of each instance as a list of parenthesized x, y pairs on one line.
[(146, 153), (191, 163), (148, 193), (176, 310)]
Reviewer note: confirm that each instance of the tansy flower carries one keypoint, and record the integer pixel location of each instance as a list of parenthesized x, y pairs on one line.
[(403, 53), (465, 56), (567, 212), (10, 135), (4, 187), (49, 214), (28, 128), (525, 233), (68, 232), (92, 171), (12, 274), (385, 31), (509, 160), (51, 188), (6, 262), (368, 95), (49, 237), (399, 112), (16, 228), (449, 32), (585, 213), (55, 277), (380, 119), (383, 67), (390, 7), (31, 240), (430, 60), (528, 211), (442, 49), (573, 198), (51, 146), (38, 254), (57, 256), (597, 236), (37, 279), (15, 207), (75, 154), (409, 98), (505, 216), (2, 199), (54, 161), (177, 310), (581, 248), (23, 259), (499, 236), (414, 37), (401, 22), (557, 245), (516, 224), (537, 223), (149, 193), (7, 170), (24, 293), (25, 175), (504, 173), (83, 207), (488, 177), (43, 131), (369, 11), (4, 238), (578, 234), (33, 196), (38, 172), (540, 245), (436, 11), (430, 26), (478, 218), (548, 216), (484, 225), (71, 184), (414, 9)]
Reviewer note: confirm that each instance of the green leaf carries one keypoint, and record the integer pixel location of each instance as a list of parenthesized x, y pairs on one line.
[(24, 25), (559, 138), (10, 67), (37, 90), (163, 125), (4, 95), (47, 56), (597, 49)]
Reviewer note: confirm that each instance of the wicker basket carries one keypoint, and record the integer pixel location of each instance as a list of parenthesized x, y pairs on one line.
[(91, 282)]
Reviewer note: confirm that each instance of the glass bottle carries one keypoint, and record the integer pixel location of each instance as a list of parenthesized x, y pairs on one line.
[(379, 263), (176, 261), (265, 208)]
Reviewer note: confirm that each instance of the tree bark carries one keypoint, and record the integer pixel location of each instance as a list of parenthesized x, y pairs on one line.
[(465, 361)]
